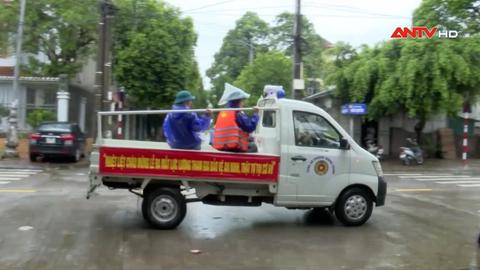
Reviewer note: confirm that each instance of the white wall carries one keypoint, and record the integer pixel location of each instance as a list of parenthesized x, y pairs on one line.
[(86, 77)]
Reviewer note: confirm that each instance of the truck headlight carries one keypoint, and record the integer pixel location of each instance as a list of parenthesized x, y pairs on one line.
[(378, 168)]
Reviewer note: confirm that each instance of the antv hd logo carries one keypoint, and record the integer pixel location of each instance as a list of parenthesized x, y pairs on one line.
[(422, 31)]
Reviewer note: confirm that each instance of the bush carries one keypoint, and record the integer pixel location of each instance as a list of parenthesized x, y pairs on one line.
[(38, 116), (4, 111)]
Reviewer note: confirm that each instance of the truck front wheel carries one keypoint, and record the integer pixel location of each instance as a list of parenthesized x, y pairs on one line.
[(164, 207), (354, 207)]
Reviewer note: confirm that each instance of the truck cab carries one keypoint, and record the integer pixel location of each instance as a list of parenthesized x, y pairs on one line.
[(319, 159)]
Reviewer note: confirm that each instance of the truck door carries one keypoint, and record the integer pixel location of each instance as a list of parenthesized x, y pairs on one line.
[(315, 159)]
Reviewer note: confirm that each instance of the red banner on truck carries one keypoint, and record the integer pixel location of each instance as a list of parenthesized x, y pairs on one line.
[(188, 164)]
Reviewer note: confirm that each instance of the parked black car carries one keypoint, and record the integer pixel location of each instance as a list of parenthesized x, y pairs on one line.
[(57, 139)]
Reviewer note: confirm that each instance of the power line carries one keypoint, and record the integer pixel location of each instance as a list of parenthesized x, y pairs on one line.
[(238, 9), (209, 5)]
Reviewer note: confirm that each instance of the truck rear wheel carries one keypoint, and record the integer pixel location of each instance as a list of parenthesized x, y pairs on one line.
[(164, 207), (354, 207)]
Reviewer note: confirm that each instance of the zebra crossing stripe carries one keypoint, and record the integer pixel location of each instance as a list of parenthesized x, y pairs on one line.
[(469, 185), (432, 176), (14, 175), (401, 174), (4, 182), (22, 173), (448, 179), (21, 170), (10, 179), (458, 182), (438, 176)]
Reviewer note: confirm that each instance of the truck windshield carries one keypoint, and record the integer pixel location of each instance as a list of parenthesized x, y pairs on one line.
[(312, 130)]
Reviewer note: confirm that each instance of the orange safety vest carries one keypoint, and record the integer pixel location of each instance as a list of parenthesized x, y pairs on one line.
[(228, 136)]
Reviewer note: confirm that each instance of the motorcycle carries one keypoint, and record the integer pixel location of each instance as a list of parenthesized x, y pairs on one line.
[(376, 150), (411, 154)]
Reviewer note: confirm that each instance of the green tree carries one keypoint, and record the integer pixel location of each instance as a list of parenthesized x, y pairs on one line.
[(38, 116), (268, 68), (61, 30), (420, 77), (153, 51), (312, 45), (460, 15), (233, 56)]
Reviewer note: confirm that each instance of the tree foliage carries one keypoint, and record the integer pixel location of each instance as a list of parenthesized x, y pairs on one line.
[(268, 68), (422, 77), (312, 45), (36, 117), (250, 29), (154, 55), (233, 56), (459, 15), (60, 30)]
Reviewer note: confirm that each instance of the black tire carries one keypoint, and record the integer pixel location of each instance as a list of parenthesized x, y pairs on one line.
[(406, 161), (174, 207), (33, 157), (354, 207)]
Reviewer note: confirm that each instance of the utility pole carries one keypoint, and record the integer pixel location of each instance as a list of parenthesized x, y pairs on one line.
[(17, 105), (104, 65), (298, 84), (18, 50)]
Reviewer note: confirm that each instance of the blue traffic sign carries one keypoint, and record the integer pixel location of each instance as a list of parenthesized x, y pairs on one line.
[(354, 109)]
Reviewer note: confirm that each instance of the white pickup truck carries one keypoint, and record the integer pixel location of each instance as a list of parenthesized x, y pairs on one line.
[(305, 160)]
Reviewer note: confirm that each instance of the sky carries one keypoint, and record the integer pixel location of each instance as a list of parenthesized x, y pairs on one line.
[(352, 21)]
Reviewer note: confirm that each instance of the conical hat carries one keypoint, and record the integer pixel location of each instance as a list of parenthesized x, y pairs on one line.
[(232, 93)]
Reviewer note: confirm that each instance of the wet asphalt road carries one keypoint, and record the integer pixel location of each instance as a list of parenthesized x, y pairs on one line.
[(426, 224)]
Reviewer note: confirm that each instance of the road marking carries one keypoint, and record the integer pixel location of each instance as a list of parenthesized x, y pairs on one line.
[(471, 185), (17, 191), (20, 170), (433, 176), (7, 175), (449, 179), (26, 173), (413, 189), (458, 182), (402, 174), (440, 176), (15, 175)]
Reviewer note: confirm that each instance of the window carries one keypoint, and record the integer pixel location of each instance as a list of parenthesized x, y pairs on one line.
[(312, 130), (55, 127), (30, 96), (50, 97), (269, 119)]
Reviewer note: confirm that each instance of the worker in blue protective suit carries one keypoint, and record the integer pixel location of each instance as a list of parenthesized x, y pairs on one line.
[(232, 128), (181, 129)]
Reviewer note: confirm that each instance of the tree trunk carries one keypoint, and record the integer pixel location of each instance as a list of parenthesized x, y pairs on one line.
[(419, 128)]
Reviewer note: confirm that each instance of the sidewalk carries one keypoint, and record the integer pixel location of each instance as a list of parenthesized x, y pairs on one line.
[(434, 165)]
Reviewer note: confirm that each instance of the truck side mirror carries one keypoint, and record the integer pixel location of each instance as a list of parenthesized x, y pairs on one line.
[(344, 145)]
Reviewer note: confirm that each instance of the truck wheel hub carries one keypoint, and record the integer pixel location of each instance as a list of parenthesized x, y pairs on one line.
[(355, 207), (164, 208)]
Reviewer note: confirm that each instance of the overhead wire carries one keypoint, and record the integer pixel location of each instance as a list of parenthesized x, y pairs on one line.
[(209, 5)]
